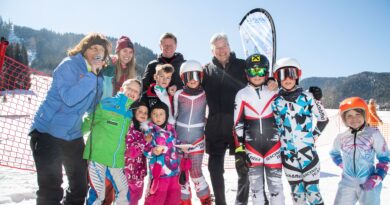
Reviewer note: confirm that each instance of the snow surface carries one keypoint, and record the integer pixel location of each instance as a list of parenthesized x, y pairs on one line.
[(18, 186)]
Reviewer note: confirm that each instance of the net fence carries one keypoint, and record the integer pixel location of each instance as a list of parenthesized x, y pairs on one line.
[(22, 89)]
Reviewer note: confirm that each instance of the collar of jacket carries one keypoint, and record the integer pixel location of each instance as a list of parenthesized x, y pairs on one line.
[(176, 56), (219, 65)]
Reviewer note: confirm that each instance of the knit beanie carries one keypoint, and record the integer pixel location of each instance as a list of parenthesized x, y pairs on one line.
[(123, 42)]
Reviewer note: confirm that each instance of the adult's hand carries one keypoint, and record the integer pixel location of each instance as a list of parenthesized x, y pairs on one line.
[(172, 89), (316, 91)]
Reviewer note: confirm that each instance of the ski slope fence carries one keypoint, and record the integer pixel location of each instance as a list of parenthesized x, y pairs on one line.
[(18, 106)]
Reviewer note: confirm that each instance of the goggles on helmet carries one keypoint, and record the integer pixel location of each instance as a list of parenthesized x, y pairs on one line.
[(192, 75), (287, 72), (253, 72)]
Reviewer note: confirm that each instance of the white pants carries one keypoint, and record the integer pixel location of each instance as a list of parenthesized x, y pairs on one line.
[(349, 193), (97, 177), (273, 177)]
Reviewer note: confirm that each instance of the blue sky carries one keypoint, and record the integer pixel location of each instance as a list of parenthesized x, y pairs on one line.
[(330, 38)]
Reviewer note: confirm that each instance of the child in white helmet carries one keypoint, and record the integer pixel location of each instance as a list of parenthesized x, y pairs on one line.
[(190, 108), (294, 111), (354, 151)]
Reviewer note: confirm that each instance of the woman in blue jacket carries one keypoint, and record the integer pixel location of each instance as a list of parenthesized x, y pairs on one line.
[(56, 137)]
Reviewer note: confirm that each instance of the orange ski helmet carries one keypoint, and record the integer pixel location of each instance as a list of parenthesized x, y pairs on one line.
[(353, 103)]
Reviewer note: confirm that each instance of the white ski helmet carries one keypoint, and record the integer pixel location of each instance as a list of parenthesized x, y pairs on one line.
[(191, 69), (287, 67)]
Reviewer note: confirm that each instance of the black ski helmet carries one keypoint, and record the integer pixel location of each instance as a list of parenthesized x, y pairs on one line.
[(257, 61)]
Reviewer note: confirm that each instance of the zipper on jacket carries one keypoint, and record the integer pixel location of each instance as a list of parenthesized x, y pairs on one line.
[(354, 152), (119, 144), (189, 119)]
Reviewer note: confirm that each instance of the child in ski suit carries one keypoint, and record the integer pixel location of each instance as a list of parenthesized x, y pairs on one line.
[(294, 110), (158, 91), (162, 159), (136, 144), (190, 107), (105, 146), (354, 151), (255, 133)]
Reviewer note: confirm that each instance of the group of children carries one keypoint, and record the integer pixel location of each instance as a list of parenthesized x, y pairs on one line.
[(273, 130), (278, 129), (122, 141)]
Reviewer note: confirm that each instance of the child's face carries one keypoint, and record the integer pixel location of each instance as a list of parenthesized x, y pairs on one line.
[(193, 84), (257, 80), (288, 83), (158, 116), (141, 114), (163, 79), (132, 91), (354, 119)]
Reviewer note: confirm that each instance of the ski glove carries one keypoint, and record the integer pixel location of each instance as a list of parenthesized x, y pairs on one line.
[(241, 160), (316, 91), (185, 166), (371, 182)]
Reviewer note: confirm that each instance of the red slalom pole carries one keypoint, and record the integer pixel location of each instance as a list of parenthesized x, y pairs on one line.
[(3, 46)]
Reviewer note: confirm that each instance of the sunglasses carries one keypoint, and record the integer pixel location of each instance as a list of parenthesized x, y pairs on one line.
[(287, 72), (253, 72)]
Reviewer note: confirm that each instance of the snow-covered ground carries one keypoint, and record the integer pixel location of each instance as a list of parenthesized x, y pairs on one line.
[(18, 186)]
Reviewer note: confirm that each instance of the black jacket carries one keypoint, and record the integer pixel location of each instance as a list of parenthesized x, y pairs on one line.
[(221, 86), (150, 70)]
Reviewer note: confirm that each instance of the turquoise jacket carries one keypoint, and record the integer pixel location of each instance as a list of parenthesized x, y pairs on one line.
[(108, 131)]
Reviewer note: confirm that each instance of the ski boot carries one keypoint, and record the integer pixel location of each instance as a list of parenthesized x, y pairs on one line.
[(185, 202), (206, 200)]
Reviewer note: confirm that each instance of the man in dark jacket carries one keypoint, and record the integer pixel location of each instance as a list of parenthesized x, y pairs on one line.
[(223, 78), (168, 43)]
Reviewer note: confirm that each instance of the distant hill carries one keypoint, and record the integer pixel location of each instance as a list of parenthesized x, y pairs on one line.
[(47, 48), (365, 85)]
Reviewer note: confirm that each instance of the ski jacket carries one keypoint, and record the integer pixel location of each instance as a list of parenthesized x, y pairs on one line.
[(190, 119), (135, 160), (73, 92), (294, 116), (357, 150), (255, 128), (150, 70), (168, 159), (221, 85), (110, 125), (110, 84), (154, 95), (373, 119)]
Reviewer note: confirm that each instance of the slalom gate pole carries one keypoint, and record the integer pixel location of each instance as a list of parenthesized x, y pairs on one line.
[(3, 46)]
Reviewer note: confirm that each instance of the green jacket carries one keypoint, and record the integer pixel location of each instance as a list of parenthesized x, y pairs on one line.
[(109, 129)]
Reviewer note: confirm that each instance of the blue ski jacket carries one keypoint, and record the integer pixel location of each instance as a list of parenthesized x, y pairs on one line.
[(73, 92)]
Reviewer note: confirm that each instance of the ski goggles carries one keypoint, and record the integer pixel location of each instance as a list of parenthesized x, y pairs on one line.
[(253, 72), (287, 72), (192, 75)]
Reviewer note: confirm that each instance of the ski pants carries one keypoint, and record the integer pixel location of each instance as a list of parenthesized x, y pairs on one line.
[(303, 177), (50, 154), (273, 177), (216, 169), (349, 193), (136, 190), (97, 177), (201, 186), (168, 192)]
